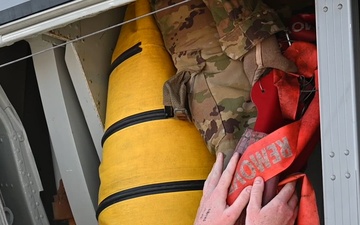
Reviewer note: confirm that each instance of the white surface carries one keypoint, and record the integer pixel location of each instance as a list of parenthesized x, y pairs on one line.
[(338, 44), (73, 148)]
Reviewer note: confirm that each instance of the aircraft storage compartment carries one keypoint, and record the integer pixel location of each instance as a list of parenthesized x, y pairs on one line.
[(73, 82)]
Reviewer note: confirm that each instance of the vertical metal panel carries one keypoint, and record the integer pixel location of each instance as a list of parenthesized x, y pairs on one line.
[(85, 97), (73, 147), (338, 48)]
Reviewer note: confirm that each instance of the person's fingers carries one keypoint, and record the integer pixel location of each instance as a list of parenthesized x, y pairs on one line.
[(240, 202), (293, 201), (294, 216), (214, 176), (256, 194), (286, 192), (227, 175)]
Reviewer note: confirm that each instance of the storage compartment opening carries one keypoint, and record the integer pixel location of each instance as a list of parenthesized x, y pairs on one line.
[(95, 53)]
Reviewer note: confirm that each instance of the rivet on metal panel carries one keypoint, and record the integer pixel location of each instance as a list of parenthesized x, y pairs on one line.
[(340, 6), (346, 152), (325, 9), (333, 177), (347, 175), (332, 154), (1, 140), (20, 136)]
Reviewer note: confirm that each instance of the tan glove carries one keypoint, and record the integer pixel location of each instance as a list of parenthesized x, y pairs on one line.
[(265, 55)]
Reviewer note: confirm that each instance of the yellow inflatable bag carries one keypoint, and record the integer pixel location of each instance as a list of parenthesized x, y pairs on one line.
[(153, 166)]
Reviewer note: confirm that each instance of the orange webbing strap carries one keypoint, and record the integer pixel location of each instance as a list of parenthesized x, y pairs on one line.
[(285, 150), (274, 153), (304, 55), (308, 211)]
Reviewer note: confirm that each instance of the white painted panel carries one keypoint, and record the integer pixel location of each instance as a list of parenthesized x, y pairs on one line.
[(73, 147)]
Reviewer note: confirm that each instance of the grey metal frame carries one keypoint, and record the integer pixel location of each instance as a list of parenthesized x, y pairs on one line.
[(71, 82), (85, 96), (73, 146), (20, 182), (338, 55)]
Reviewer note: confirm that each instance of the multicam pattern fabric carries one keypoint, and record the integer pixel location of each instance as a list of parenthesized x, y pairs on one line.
[(206, 40), (211, 85), (242, 24)]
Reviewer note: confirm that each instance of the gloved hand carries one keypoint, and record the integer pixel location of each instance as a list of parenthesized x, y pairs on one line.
[(266, 54)]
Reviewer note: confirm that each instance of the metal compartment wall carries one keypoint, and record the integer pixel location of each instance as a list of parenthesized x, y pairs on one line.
[(338, 47)]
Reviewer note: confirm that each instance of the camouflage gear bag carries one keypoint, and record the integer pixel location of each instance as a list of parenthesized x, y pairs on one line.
[(242, 24), (210, 88)]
